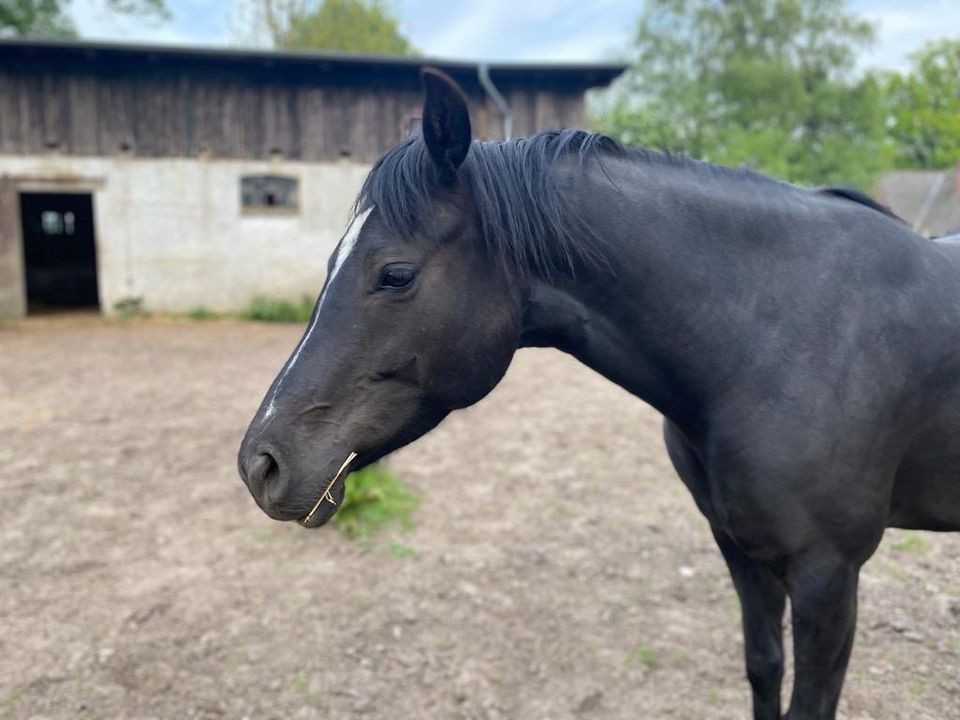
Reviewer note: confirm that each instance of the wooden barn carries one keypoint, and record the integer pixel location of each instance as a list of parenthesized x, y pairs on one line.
[(182, 177)]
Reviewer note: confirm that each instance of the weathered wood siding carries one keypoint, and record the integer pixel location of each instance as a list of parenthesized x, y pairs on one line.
[(157, 108)]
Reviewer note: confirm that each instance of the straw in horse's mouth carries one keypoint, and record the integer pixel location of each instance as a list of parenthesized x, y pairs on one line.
[(326, 494)]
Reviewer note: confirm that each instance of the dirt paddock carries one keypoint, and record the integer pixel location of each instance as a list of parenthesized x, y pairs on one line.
[(557, 568)]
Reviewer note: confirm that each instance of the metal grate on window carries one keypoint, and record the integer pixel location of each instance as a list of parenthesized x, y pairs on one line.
[(269, 193)]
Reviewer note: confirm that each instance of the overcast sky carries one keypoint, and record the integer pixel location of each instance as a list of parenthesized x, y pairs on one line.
[(516, 29)]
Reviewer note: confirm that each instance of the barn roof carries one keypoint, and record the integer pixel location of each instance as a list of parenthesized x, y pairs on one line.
[(581, 74)]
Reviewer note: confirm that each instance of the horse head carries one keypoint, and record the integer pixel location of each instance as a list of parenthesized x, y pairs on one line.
[(414, 320)]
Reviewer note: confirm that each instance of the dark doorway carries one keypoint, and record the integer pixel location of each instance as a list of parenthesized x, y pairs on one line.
[(59, 251)]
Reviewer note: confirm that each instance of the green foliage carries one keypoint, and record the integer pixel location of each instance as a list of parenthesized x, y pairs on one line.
[(157, 8), (202, 313), (641, 656), (353, 26), (765, 83), (50, 18), (35, 18), (15, 696), (129, 307), (272, 310), (913, 543), (300, 683), (373, 498), (924, 108), (398, 550)]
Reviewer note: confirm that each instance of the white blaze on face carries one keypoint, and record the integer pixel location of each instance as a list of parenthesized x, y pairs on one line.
[(347, 244)]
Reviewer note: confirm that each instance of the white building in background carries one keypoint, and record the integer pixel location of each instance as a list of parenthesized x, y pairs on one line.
[(927, 199), (184, 178)]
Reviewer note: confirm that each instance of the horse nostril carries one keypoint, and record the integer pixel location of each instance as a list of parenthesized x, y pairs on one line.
[(268, 481), (272, 467), (262, 472)]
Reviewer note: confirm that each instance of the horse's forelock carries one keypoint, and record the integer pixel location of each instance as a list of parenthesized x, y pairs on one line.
[(527, 225)]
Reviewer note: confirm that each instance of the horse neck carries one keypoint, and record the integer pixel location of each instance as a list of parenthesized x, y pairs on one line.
[(663, 317)]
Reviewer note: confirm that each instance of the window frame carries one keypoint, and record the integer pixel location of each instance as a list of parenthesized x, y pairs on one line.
[(287, 209)]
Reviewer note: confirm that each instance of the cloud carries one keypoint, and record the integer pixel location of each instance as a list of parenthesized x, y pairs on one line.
[(194, 22), (901, 31), (512, 30), (505, 30)]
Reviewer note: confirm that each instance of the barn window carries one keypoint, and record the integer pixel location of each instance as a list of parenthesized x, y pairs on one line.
[(269, 194)]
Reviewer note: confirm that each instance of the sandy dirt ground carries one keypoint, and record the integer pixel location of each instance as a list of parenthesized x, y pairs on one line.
[(557, 568)]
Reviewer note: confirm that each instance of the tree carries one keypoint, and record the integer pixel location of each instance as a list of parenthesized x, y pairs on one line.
[(766, 83), (923, 107), (50, 18), (34, 18), (359, 26)]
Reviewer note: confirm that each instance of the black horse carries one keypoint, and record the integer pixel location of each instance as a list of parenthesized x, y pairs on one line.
[(803, 347)]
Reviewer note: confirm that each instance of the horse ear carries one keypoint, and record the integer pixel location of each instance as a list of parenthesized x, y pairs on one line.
[(446, 122)]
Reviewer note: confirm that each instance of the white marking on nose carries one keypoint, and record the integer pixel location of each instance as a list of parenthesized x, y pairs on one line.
[(347, 244)]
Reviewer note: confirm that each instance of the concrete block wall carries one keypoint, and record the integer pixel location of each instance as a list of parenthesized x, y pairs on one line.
[(172, 231)]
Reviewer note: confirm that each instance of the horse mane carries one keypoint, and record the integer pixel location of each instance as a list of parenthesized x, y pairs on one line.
[(856, 196), (525, 222)]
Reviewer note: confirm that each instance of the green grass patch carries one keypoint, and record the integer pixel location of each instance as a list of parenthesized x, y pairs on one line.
[(300, 684), (129, 307), (912, 543), (202, 313), (15, 696), (374, 498), (265, 309), (892, 568), (399, 550), (641, 656)]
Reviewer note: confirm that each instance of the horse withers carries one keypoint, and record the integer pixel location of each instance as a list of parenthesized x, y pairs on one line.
[(803, 347)]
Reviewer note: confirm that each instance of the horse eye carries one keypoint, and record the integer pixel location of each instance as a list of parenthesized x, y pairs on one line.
[(397, 276)]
